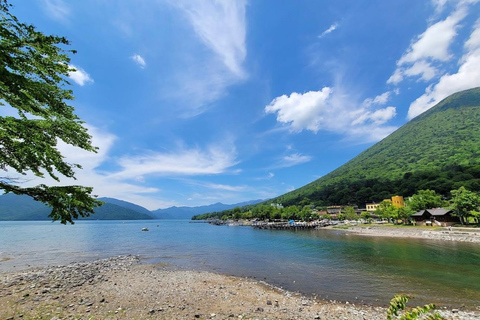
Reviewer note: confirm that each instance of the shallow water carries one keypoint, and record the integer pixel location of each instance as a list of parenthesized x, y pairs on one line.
[(327, 263)]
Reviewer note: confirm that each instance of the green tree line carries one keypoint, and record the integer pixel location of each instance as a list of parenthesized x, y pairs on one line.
[(464, 203)]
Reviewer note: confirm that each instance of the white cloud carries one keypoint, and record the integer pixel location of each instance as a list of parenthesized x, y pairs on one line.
[(378, 117), (396, 77), (138, 59), (431, 46), (221, 27), (473, 42), (332, 111), (422, 68), (332, 28), (57, 10), (434, 43), (80, 76), (378, 100), (467, 76), (301, 111)]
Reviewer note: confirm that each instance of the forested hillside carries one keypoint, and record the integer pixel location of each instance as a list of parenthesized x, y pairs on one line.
[(438, 150)]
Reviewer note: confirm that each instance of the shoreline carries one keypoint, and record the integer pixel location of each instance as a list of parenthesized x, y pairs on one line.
[(456, 234), (124, 288)]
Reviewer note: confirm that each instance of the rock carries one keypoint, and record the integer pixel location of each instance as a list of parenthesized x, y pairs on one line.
[(269, 303), (259, 309), (151, 311)]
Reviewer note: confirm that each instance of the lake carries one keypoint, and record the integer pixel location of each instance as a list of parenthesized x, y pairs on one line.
[(329, 264)]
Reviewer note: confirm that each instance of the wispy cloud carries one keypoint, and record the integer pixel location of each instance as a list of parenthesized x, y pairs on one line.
[(217, 186), (103, 183), (332, 28), (80, 76), (220, 27), (290, 160), (185, 161), (57, 10), (138, 59), (330, 110)]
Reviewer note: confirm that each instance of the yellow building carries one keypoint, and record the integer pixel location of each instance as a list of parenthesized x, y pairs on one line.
[(372, 206), (397, 201)]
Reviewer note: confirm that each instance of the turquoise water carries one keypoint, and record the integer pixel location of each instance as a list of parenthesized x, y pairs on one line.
[(329, 264)]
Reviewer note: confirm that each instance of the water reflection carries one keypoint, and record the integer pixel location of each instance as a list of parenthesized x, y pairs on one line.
[(327, 263)]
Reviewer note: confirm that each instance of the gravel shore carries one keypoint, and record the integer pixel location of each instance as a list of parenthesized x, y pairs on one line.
[(122, 288), (456, 234)]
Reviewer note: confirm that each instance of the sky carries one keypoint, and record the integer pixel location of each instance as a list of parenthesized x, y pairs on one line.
[(193, 102)]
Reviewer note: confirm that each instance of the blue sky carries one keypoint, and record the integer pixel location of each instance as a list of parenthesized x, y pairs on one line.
[(195, 102)]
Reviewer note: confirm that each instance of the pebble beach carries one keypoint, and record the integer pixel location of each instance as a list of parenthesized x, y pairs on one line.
[(123, 288), (455, 234)]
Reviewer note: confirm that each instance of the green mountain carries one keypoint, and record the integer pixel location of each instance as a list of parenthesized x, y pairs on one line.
[(439, 150), (24, 208)]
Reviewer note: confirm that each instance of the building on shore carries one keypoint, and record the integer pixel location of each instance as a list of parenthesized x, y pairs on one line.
[(396, 201), (436, 216)]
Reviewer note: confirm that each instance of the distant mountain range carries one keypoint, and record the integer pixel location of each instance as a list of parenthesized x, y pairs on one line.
[(24, 208), (189, 212)]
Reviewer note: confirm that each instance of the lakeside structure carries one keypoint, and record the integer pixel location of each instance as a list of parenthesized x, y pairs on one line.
[(437, 216), (397, 201)]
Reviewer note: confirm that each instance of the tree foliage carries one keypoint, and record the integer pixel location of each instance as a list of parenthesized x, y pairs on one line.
[(33, 72), (465, 203), (425, 199)]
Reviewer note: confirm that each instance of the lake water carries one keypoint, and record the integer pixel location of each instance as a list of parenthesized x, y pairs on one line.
[(327, 263)]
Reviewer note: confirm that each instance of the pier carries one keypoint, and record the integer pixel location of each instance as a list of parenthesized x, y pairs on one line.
[(286, 225)]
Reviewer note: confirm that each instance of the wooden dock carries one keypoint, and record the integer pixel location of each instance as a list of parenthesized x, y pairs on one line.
[(286, 225)]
